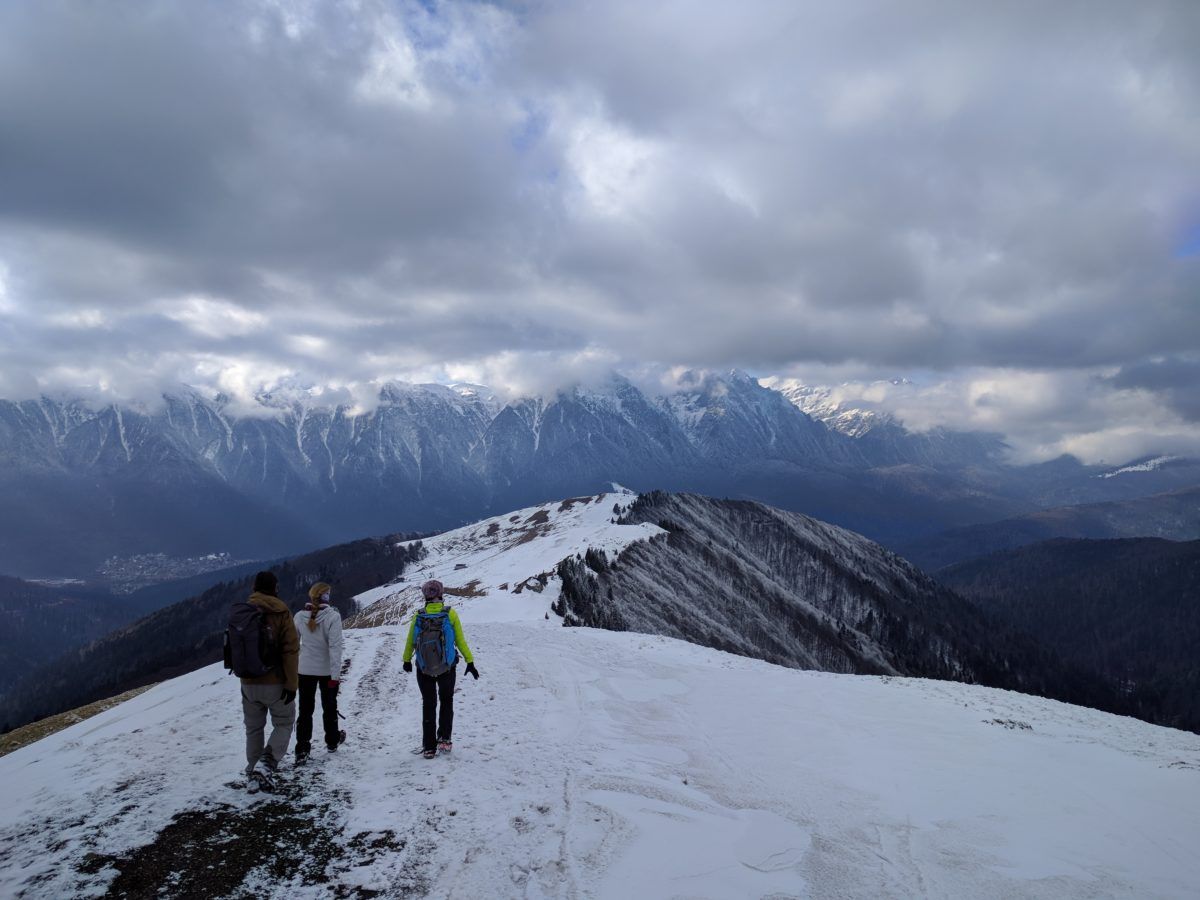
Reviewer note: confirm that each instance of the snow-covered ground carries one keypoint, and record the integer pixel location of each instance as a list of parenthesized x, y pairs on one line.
[(607, 765), (599, 764)]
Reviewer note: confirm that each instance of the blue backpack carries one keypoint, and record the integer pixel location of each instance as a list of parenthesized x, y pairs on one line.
[(433, 641)]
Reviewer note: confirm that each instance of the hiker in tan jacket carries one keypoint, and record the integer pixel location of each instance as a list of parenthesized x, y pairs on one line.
[(274, 692)]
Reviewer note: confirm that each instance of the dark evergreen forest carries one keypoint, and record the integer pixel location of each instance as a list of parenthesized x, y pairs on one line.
[(1127, 610)]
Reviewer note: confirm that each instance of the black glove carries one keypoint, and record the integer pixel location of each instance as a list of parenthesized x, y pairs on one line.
[(407, 666), (471, 670), (332, 686), (288, 696)]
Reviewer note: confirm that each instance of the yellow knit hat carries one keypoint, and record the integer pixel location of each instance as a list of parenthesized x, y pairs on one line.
[(318, 590)]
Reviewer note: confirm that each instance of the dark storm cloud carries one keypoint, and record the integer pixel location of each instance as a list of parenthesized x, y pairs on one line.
[(347, 192)]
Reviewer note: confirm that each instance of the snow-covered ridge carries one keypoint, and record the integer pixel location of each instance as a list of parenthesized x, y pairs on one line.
[(502, 569)]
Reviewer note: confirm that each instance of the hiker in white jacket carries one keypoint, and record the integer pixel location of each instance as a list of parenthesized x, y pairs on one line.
[(320, 628)]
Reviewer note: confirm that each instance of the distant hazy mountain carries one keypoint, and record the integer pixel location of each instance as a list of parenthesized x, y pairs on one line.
[(1128, 610), (1174, 515), (189, 477)]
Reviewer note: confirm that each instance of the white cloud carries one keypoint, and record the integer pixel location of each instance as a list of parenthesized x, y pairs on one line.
[(529, 195), (213, 318)]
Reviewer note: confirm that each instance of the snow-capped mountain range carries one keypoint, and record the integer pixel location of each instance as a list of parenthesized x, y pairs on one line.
[(597, 764), (191, 477)]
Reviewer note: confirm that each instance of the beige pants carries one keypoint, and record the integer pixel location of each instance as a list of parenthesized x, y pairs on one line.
[(257, 701)]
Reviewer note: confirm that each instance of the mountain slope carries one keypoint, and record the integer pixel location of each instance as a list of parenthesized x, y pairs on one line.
[(780, 586), (188, 634), (1174, 515), (604, 765), (1128, 610), (42, 622)]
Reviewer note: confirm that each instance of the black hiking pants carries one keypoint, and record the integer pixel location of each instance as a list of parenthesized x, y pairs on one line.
[(435, 724), (309, 684)]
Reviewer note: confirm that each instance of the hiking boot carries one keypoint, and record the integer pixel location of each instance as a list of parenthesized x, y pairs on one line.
[(301, 757), (445, 746), (341, 739), (264, 775), (429, 754)]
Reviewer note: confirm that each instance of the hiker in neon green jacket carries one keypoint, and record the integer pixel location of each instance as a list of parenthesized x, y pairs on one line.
[(434, 638)]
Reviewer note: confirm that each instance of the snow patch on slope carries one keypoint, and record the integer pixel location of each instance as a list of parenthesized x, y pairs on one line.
[(1148, 465)]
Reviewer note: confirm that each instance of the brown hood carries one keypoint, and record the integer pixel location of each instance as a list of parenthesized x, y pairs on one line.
[(268, 603)]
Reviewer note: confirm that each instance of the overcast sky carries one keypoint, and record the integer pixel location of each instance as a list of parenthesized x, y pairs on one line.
[(997, 201)]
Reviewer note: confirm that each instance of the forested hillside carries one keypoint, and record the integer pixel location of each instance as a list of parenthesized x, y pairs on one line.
[(1128, 610), (187, 635)]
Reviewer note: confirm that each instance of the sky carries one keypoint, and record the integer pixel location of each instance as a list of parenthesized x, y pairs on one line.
[(997, 205)]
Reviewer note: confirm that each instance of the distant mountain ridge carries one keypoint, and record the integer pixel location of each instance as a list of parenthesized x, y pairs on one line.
[(190, 477), (1174, 515)]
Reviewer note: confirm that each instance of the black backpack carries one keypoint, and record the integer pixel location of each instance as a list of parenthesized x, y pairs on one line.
[(251, 647)]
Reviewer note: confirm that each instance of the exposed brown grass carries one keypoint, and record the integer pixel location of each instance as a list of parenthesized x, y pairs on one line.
[(526, 537), (567, 504), (470, 589)]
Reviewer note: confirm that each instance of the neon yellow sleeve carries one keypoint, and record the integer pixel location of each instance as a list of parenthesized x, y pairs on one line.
[(460, 640), (408, 645)]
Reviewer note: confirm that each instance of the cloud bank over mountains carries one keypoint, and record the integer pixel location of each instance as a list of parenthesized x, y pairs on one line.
[(999, 204)]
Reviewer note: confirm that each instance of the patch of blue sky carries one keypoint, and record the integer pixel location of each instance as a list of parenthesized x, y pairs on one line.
[(529, 130), (1190, 244)]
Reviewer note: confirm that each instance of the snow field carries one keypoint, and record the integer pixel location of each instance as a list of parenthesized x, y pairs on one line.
[(598, 764)]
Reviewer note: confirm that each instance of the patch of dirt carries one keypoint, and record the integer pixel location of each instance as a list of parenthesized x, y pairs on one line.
[(541, 517), (226, 851), (210, 853), (35, 731), (525, 537), (567, 504), (470, 589), (494, 528)]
